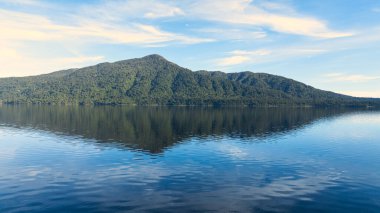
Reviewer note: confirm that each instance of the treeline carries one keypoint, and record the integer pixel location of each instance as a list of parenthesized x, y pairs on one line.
[(152, 80)]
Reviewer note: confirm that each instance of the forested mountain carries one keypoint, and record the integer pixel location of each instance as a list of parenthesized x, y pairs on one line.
[(152, 80)]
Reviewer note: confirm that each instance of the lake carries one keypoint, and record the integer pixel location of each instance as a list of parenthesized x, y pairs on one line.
[(188, 159)]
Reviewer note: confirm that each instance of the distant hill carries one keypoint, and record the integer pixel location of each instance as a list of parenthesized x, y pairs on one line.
[(152, 80)]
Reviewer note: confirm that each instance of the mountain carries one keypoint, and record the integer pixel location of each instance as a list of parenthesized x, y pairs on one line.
[(152, 80)]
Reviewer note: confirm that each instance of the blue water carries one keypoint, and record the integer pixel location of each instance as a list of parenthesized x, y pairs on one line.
[(118, 159)]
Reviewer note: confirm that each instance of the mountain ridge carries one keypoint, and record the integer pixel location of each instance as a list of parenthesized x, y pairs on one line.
[(153, 80)]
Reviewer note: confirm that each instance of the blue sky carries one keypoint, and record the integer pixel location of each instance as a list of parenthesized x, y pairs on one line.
[(329, 44)]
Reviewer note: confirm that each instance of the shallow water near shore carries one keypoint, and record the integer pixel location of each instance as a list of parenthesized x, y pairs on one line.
[(188, 159)]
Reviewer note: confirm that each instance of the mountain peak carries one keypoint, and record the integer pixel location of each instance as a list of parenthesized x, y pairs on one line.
[(154, 56), (153, 80)]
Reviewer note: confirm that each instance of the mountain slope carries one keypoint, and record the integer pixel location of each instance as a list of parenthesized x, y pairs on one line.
[(154, 80)]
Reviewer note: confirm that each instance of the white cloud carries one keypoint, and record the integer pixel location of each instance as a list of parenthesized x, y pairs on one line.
[(242, 56), (278, 17), (26, 32), (233, 33), (135, 23), (247, 13), (18, 64), (233, 60), (25, 2), (353, 78), (272, 6), (121, 10), (27, 27), (358, 93), (237, 57), (261, 52), (306, 49), (163, 11)]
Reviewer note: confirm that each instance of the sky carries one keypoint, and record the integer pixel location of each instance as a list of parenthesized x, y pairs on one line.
[(329, 44)]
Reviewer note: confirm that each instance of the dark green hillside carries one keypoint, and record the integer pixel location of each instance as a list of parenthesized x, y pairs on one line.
[(152, 80)]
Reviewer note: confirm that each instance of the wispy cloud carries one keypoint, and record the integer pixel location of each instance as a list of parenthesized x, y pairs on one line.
[(25, 2), (25, 31), (22, 26), (232, 60), (19, 63), (122, 10), (274, 16), (261, 52), (353, 78), (247, 13), (242, 56), (304, 49), (276, 7), (163, 11), (232, 34), (359, 93), (147, 24), (237, 57)]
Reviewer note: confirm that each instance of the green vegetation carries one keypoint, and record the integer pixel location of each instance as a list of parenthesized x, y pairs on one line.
[(152, 80)]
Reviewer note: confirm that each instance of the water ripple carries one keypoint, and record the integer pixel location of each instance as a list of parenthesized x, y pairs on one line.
[(313, 169)]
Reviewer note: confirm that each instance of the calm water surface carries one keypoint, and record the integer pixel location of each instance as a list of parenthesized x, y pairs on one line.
[(152, 159)]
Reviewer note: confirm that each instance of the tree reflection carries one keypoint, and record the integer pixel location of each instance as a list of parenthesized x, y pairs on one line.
[(155, 128)]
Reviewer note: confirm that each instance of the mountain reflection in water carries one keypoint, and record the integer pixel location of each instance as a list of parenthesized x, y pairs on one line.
[(153, 129), (188, 159)]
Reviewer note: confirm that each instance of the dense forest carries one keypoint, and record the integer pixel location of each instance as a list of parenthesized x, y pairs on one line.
[(152, 80)]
